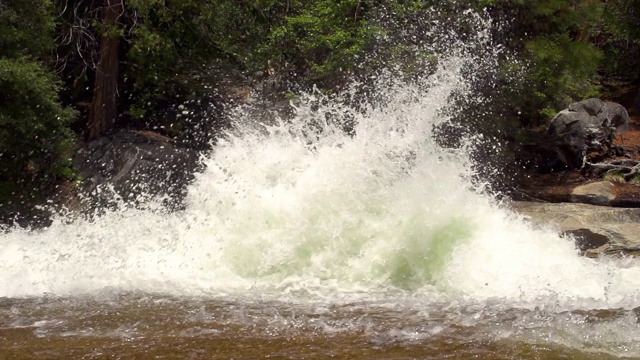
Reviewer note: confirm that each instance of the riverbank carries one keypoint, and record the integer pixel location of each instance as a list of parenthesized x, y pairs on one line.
[(575, 186), (601, 213)]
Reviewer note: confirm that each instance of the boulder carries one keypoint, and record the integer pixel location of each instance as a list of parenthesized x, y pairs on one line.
[(616, 115), (586, 126), (596, 229), (597, 193), (135, 166)]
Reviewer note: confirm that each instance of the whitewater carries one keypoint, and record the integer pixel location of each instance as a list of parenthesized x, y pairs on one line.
[(303, 214)]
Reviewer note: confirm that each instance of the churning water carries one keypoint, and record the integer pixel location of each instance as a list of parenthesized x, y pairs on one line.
[(304, 240)]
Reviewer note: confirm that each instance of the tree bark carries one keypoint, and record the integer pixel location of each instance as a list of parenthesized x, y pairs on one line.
[(104, 105)]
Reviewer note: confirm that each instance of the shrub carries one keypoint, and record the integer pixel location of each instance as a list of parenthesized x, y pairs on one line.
[(34, 137)]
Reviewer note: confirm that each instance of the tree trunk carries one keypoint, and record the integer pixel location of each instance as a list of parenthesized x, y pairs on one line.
[(103, 110)]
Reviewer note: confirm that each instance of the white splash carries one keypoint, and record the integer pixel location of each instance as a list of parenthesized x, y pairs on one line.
[(305, 209)]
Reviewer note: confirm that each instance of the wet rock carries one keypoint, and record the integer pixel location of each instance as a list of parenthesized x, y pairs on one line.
[(572, 187), (597, 229), (586, 126), (587, 239), (135, 166)]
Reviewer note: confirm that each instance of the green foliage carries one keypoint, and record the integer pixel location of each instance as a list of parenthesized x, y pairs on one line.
[(323, 37), (173, 43), (558, 58), (562, 71), (34, 137), (24, 25), (615, 176), (315, 39), (620, 40)]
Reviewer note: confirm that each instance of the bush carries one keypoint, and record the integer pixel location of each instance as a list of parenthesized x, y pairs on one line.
[(562, 71), (322, 38), (556, 56), (34, 137), (24, 26)]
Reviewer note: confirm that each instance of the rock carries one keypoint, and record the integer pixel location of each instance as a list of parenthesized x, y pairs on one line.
[(597, 193), (591, 106), (587, 240), (617, 116), (597, 230), (607, 112), (136, 165), (570, 187), (586, 126)]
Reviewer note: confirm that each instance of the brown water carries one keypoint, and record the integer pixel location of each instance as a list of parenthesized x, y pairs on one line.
[(142, 326)]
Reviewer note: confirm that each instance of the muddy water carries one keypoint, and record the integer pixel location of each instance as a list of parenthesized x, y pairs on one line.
[(153, 326)]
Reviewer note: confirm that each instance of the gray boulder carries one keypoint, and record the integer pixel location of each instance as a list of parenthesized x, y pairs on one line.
[(586, 126), (135, 166), (616, 115)]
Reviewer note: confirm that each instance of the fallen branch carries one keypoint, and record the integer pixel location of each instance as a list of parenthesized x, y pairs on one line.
[(634, 171), (625, 162), (629, 168), (606, 166)]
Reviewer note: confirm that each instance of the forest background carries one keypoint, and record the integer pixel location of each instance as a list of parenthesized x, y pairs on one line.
[(74, 70)]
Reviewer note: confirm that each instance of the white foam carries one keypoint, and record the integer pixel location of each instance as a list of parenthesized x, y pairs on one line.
[(304, 209)]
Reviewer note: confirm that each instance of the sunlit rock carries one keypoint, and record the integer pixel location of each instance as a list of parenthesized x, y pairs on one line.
[(596, 229), (597, 193)]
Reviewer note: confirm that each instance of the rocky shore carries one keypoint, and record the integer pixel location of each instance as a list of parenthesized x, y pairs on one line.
[(597, 230), (601, 212)]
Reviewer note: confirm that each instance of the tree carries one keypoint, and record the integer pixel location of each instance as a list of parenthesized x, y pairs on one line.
[(556, 58), (104, 105), (34, 137), (620, 40)]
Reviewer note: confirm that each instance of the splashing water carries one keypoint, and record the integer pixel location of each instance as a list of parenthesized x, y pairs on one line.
[(302, 212)]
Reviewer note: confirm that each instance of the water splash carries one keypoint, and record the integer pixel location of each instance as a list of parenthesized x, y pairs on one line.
[(302, 207), (348, 202)]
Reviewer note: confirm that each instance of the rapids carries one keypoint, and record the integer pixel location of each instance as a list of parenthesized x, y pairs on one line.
[(305, 236)]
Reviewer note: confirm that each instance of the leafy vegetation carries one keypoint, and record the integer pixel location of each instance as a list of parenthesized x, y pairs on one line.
[(35, 139)]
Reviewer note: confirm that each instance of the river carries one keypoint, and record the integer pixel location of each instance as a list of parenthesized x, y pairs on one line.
[(301, 240)]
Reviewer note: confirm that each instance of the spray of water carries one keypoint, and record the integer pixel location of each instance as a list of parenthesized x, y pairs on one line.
[(302, 204), (302, 210)]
